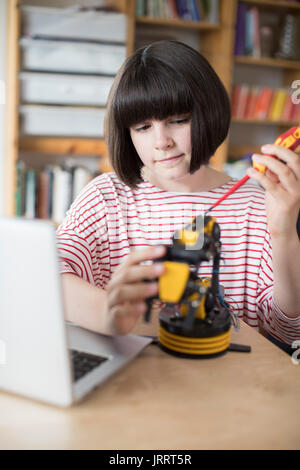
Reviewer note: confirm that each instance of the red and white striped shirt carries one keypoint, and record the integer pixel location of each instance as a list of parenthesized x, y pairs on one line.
[(109, 219)]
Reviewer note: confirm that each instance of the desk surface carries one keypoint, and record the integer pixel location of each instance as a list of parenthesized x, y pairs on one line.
[(237, 401)]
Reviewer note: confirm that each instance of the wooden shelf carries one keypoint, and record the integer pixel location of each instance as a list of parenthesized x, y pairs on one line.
[(265, 122), (200, 25), (63, 145), (274, 4), (268, 62)]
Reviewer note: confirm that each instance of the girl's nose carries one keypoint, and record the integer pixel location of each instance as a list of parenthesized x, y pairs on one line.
[(162, 137)]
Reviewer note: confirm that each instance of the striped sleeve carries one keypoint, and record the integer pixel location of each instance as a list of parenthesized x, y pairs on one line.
[(273, 319), (81, 238)]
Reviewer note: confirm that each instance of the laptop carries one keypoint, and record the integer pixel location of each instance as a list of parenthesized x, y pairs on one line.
[(41, 355)]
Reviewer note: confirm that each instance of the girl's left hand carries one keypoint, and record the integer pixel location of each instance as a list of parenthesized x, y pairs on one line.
[(282, 184)]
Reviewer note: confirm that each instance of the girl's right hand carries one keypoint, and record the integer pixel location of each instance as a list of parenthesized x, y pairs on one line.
[(127, 289)]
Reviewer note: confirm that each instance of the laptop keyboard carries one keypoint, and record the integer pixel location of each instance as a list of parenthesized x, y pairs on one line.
[(84, 363)]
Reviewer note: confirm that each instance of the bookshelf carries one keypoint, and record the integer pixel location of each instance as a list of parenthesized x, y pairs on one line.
[(282, 4), (247, 134), (185, 24), (268, 62), (216, 43), (209, 35), (15, 142)]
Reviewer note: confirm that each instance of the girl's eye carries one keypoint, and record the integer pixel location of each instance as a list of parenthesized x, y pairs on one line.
[(142, 128), (180, 121)]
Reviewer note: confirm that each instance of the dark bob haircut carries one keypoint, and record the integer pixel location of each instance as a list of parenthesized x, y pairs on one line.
[(163, 79)]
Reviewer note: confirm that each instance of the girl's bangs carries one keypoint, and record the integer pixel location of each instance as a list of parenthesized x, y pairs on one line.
[(151, 96)]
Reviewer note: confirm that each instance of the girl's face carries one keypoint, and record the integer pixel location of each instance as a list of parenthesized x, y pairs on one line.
[(164, 146)]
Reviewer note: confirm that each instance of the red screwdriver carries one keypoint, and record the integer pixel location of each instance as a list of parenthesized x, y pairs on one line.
[(289, 140)]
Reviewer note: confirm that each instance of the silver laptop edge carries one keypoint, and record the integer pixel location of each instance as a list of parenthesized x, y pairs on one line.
[(32, 328)]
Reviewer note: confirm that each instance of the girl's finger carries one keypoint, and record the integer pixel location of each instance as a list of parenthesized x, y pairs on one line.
[(267, 183), (137, 273), (138, 256), (291, 158), (285, 174), (131, 293), (126, 315)]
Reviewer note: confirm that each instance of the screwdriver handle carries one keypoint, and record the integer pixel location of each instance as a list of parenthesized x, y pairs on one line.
[(290, 140)]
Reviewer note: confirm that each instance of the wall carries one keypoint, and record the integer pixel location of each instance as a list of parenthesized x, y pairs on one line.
[(2, 96)]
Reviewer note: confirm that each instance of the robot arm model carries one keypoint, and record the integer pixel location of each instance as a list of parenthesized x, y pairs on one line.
[(199, 325)]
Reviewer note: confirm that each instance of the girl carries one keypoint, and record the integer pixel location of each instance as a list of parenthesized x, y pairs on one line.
[(167, 114)]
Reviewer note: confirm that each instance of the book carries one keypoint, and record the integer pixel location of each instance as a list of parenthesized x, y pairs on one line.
[(251, 105), (61, 193), (140, 8), (43, 195), (194, 10), (287, 111), (248, 38), (162, 7), (202, 9), (157, 12), (295, 114), (277, 104), (240, 30), (80, 178), (242, 101), (20, 188), (263, 103), (256, 32), (173, 9), (30, 198), (183, 10), (150, 8), (213, 12)]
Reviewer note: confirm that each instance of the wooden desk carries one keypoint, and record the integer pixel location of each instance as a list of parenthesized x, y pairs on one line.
[(237, 401)]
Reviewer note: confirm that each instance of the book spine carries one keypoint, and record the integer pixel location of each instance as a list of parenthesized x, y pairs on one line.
[(20, 189), (213, 12), (248, 40), (194, 9), (182, 10), (263, 103), (80, 178), (30, 202), (240, 30), (277, 105), (295, 115), (162, 9), (61, 194), (241, 108), (43, 195), (256, 33), (140, 7), (287, 109), (201, 9), (255, 91)]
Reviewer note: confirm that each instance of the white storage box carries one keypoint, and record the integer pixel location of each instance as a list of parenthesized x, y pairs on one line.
[(62, 121), (48, 88), (73, 23), (68, 56)]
